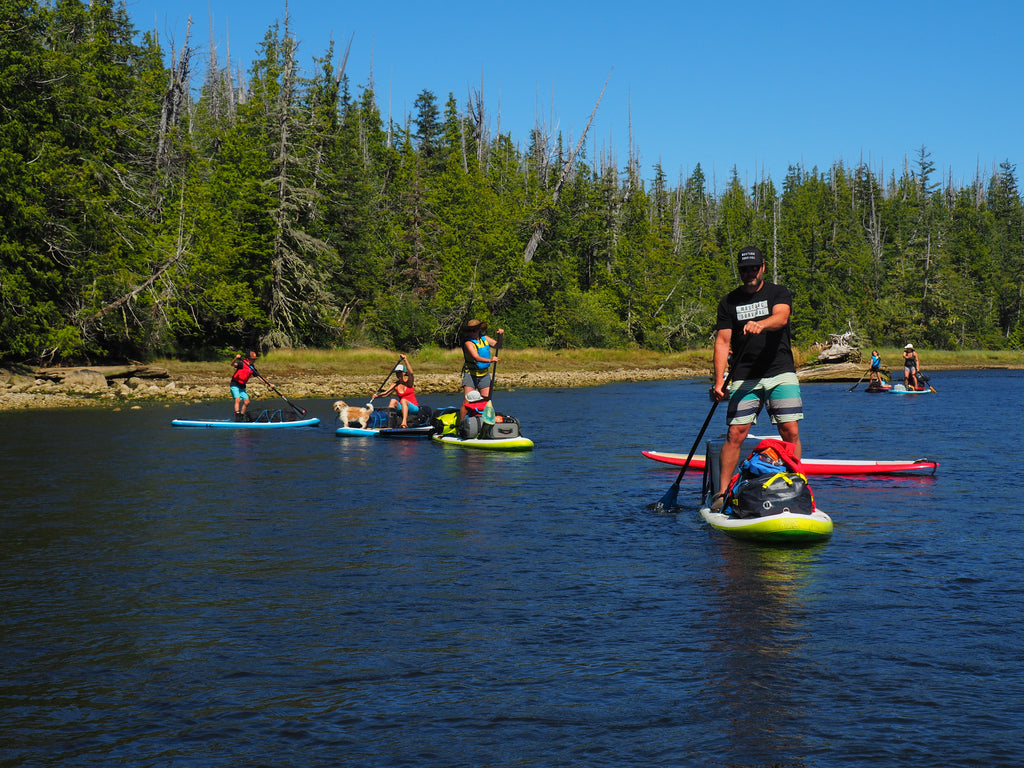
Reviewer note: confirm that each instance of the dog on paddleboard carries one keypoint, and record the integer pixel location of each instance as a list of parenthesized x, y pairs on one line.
[(349, 413)]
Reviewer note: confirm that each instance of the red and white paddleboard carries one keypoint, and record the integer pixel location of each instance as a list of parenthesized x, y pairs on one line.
[(820, 466)]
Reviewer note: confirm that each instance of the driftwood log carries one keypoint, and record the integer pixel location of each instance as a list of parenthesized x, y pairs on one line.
[(109, 372), (833, 372), (840, 348)]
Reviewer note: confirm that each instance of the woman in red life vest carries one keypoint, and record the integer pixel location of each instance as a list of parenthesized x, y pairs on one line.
[(244, 367), (404, 390)]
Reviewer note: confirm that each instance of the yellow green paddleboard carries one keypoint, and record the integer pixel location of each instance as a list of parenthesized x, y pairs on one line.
[(783, 528)]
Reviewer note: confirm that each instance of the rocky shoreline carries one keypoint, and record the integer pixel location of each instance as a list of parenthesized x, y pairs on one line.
[(133, 384), (118, 386)]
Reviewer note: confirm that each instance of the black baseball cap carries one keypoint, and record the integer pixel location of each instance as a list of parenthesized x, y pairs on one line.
[(750, 256)]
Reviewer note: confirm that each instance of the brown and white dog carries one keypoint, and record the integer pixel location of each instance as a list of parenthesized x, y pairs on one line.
[(347, 413)]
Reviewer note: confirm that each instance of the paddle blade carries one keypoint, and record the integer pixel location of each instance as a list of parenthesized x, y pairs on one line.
[(667, 503)]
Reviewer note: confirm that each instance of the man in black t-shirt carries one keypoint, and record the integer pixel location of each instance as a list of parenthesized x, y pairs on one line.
[(753, 328)]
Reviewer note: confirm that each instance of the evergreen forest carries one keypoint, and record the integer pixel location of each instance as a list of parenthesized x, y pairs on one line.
[(152, 209)]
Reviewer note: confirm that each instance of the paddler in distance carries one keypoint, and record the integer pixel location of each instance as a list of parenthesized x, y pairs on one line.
[(753, 328), (911, 367), (244, 367)]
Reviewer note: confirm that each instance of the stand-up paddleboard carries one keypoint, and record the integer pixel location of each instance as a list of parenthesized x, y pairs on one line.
[(764, 507), (356, 432), (405, 432), (900, 389), (820, 466), (519, 443), (783, 528), (378, 424), (263, 421), (423, 431)]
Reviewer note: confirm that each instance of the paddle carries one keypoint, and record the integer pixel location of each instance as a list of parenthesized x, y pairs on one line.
[(488, 414), (494, 365), (378, 389), (298, 410), (859, 381), (668, 501)]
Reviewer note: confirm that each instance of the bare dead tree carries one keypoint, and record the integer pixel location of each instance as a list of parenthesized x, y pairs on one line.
[(478, 118), (174, 96), (567, 168)]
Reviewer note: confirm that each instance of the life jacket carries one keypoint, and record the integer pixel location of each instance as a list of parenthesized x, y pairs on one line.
[(771, 456), (242, 375), (477, 408), (483, 349)]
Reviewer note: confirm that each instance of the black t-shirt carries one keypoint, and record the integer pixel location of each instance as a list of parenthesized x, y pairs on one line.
[(764, 354)]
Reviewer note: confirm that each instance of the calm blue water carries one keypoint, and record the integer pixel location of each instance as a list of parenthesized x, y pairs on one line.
[(174, 597)]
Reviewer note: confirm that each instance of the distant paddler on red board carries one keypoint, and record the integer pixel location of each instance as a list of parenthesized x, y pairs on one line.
[(753, 328), (477, 360)]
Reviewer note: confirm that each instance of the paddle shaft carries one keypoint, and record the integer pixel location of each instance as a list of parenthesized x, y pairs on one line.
[(669, 499), (494, 365), (859, 380), (693, 448), (300, 411), (378, 389)]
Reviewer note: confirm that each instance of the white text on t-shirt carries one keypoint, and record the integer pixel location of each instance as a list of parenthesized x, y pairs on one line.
[(752, 311)]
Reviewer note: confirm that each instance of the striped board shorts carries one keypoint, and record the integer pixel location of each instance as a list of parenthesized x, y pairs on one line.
[(781, 393)]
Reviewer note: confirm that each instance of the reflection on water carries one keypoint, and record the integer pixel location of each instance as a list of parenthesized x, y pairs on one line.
[(763, 648)]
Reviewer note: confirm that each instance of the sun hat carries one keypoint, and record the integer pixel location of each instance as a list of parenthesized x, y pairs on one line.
[(474, 396), (750, 256), (909, 346), (474, 325)]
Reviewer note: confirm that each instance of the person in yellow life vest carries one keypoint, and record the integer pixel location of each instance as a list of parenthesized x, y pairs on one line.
[(478, 357)]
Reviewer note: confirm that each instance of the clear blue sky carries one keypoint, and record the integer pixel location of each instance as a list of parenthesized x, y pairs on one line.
[(752, 85)]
